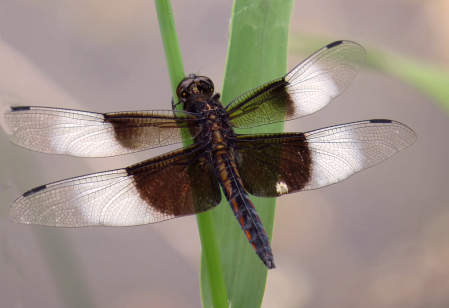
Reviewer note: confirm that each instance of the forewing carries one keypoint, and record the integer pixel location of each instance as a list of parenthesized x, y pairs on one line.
[(89, 134), (306, 89), (271, 165), (176, 184)]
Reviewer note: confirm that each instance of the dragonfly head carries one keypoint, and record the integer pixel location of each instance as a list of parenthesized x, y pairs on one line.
[(194, 88)]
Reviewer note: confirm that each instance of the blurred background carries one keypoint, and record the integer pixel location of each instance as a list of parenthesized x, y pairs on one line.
[(378, 239)]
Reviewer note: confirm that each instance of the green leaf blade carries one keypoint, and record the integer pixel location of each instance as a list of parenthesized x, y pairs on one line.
[(257, 54)]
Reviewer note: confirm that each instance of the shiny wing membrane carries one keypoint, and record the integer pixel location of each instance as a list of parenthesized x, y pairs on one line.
[(306, 89), (89, 134), (271, 165), (176, 184)]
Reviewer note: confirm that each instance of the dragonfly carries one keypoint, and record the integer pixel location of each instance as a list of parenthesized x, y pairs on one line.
[(187, 181)]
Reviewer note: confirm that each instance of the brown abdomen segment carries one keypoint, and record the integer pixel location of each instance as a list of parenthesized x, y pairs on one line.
[(229, 178)]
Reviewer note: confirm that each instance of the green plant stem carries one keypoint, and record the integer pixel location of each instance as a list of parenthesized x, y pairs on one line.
[(205, 222), (171, 45)]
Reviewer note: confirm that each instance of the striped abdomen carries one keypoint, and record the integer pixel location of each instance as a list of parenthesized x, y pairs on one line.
[(241, 205)]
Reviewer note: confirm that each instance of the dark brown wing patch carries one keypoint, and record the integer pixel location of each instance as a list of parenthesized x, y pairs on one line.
[(176, 184), (271, 165), (137, 129)]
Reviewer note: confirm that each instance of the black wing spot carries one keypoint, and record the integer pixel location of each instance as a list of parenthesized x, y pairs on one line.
[(332, 45), (20, 108), (34, 190), (380, 121)]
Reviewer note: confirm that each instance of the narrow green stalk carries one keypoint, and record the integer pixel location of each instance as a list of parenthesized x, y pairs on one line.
[(171, 44), (206, 228)]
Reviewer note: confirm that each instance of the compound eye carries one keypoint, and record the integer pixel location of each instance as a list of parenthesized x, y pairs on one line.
[(183, 85), (207, 81)]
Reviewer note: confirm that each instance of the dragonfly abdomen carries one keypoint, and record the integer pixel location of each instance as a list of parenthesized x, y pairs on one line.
[(242, 207)]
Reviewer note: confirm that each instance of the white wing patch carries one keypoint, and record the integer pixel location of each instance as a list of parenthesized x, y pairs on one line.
[(102, 199), (340, 151)]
